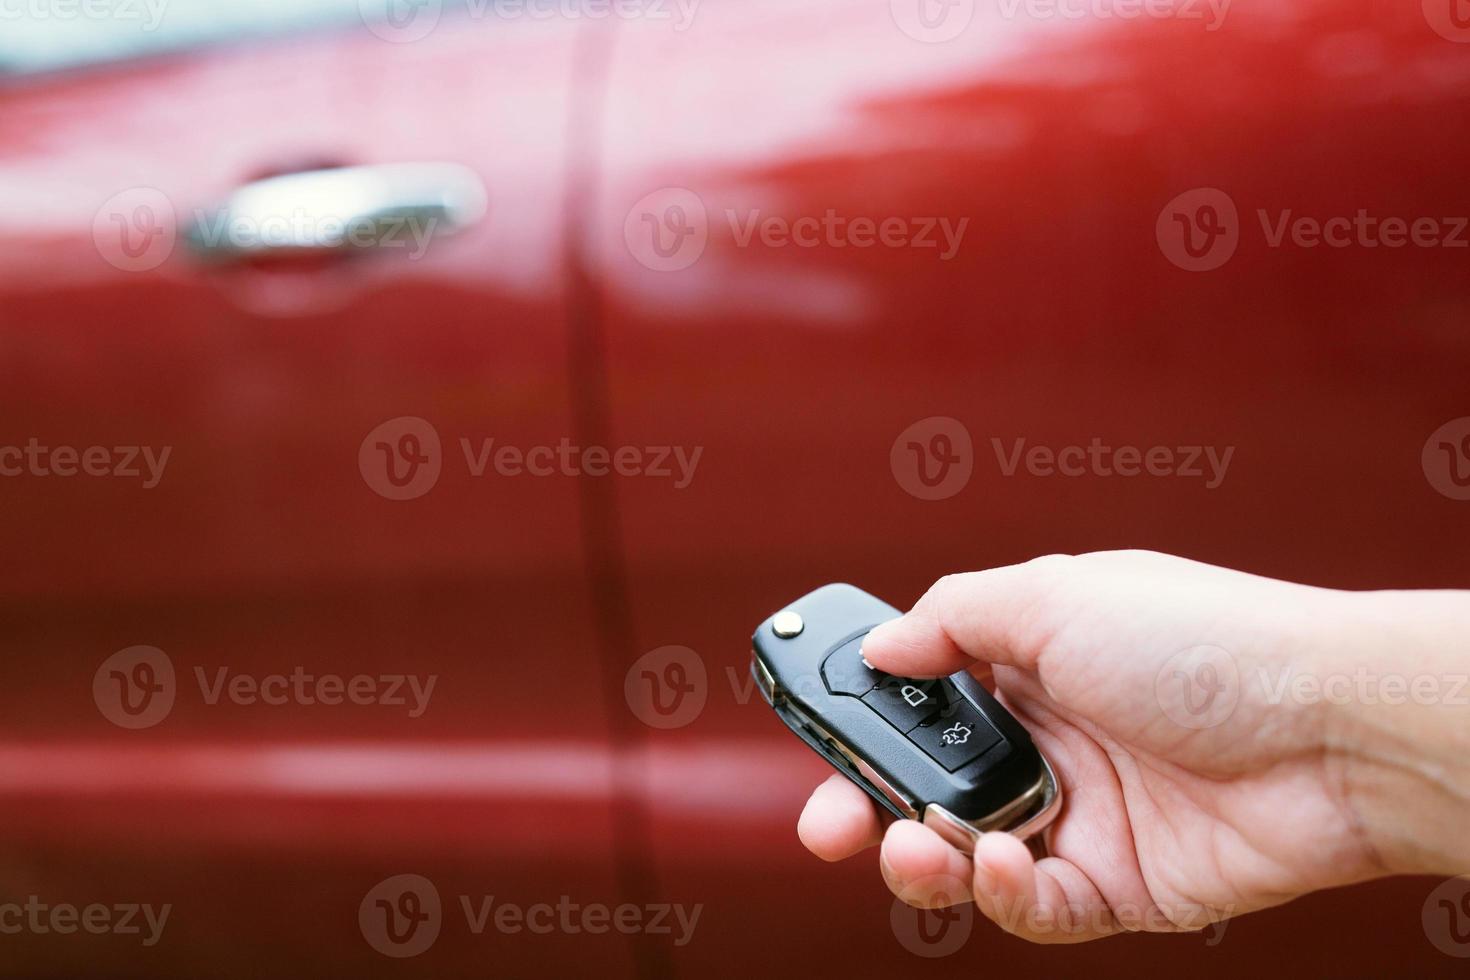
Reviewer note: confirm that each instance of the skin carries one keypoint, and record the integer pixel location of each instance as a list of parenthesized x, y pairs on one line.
[(1184, 808)]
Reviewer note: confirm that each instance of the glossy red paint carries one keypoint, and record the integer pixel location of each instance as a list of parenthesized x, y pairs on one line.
[(792, 369)]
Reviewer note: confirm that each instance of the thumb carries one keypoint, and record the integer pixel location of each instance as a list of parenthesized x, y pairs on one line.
[(996, 617)]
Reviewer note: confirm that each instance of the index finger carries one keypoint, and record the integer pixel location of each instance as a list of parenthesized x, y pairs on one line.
[(990, 616)]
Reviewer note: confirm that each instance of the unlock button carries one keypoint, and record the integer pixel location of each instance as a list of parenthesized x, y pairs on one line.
[(906, 703)]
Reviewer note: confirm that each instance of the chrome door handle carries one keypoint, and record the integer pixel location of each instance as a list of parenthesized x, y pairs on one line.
[(343, 209)]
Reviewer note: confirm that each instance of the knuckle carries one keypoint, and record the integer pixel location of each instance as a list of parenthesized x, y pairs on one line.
[(1053, 565), (945, 590)]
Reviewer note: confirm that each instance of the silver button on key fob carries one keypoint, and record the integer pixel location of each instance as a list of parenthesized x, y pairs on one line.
[(941, 751)]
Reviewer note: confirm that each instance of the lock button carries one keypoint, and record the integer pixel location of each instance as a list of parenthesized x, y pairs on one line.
[(906, 704)]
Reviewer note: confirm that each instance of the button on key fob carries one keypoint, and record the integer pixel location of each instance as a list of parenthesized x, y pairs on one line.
[(941, 751)]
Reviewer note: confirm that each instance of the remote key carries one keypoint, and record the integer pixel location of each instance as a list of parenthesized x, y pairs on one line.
[(943, 751)]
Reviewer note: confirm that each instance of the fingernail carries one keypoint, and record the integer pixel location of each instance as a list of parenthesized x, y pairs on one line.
[(880, 628), (984, 879), (888, 874)]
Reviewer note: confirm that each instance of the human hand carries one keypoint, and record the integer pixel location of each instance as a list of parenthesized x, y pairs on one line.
[(1192, 793)]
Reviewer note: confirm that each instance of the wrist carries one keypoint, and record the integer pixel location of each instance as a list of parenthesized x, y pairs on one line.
[(1395, 708)]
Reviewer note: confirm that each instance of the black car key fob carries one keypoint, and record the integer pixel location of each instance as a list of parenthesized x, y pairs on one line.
[(943, 751)]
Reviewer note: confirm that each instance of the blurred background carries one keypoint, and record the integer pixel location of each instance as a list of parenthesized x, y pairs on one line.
[(408, 410)]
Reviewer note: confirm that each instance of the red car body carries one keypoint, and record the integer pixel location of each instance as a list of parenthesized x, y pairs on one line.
[(1064, 315)]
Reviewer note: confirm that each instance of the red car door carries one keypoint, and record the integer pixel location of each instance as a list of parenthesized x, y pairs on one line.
[(914, 282), (283, 625)]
